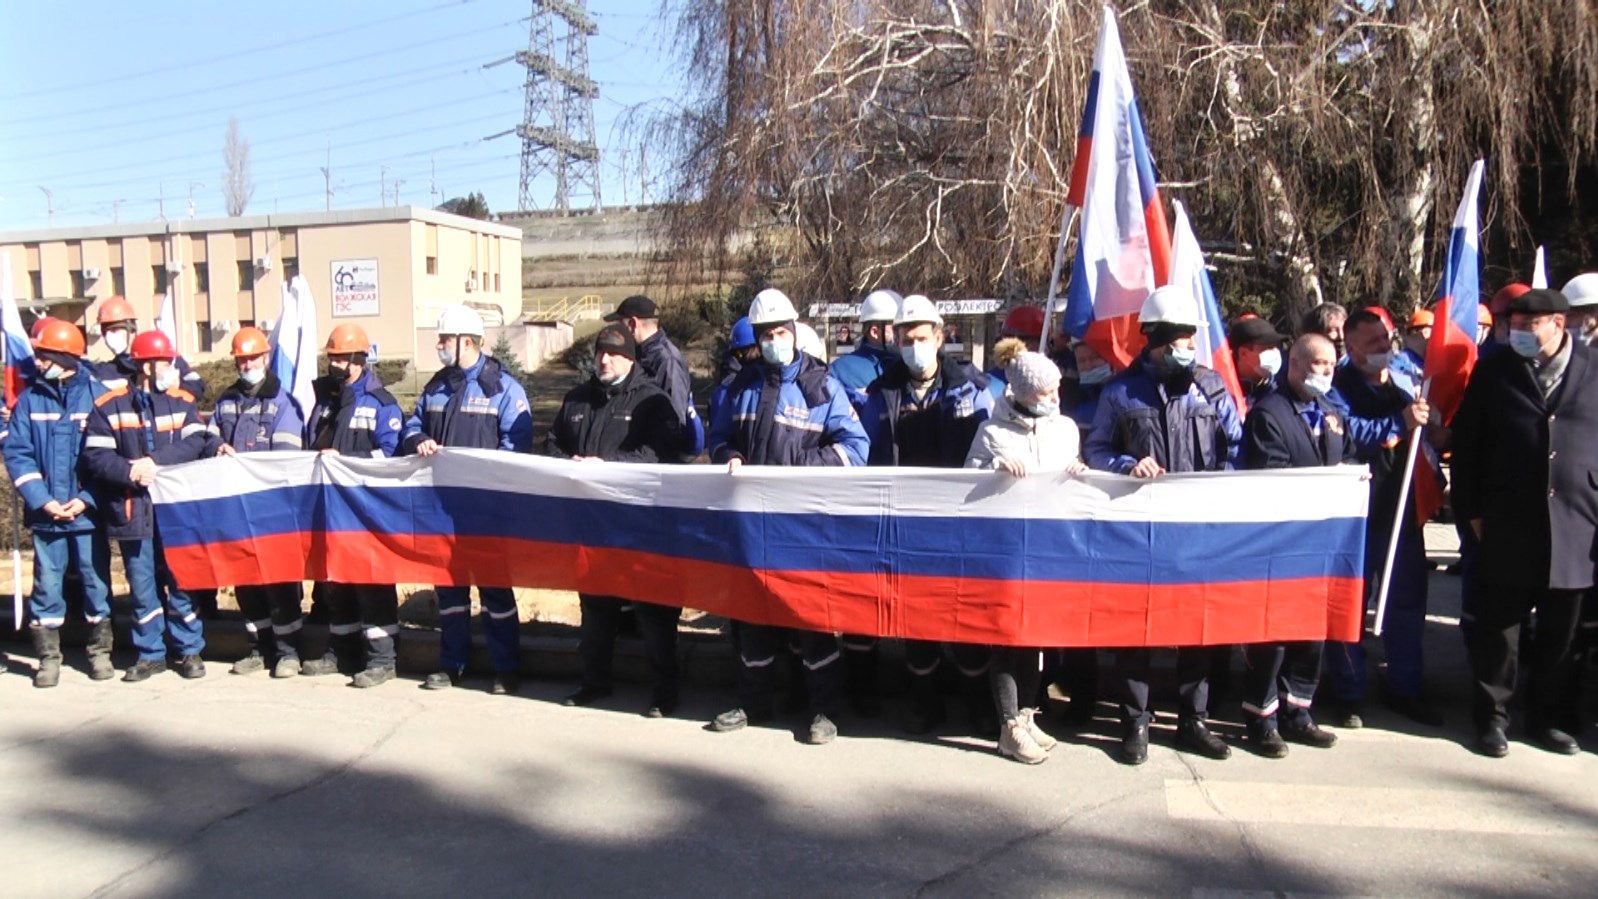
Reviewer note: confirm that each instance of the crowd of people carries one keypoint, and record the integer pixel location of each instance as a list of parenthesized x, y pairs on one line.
[(86, 440)]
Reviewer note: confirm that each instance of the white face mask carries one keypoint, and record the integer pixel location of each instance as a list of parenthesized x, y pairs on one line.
[(253, 376), (1271, 362), (446, 355), (921, 356), (1317, 386), (1375, 362), (116, 341), (166, 380)]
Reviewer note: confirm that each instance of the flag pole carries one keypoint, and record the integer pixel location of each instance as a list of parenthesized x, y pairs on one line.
[(1054, 276), (1398, 520), (16, 509)]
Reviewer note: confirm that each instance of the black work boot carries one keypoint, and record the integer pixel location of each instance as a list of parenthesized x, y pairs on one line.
[(100, 639), (1194, 734), (47, 645)]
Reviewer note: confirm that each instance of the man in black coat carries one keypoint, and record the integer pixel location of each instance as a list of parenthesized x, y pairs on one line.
[(1291, 427), (1525, 448), (620, 415)]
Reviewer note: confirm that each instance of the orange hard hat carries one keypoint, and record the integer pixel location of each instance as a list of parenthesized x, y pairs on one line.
[(39, 325), (250, 342), (1484, 316), (1507, 295), (116, 309), (1421, 318), (348, 339), (1024, 321), (57, 335), (149, 346)]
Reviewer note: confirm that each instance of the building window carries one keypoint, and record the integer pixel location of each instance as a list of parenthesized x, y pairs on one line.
[(206, 342), (158, 276), (80, 284), (202, 277), (496, 282), (432, 265), (291, 267), (246, 274), (119, 281), (36, 281)]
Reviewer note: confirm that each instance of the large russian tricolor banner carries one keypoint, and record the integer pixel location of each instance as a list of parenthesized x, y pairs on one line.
[(1123, 248), (932, 554)]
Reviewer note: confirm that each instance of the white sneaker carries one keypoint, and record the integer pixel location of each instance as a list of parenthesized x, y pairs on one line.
[(1015, 742), (1044, 741)]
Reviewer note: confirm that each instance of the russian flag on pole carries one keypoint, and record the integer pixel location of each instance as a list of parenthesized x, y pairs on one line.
[(1451, 352), (294, 343), (963, 555), (1123, 248), (19, 350), (1188, 271)]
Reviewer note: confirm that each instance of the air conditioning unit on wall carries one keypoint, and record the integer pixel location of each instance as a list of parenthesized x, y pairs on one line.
[(91, 274), (471, 285), (174, 267), (263, 263)]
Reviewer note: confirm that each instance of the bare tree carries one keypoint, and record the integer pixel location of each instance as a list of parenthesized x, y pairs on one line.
[(237, 186), (925, 144)]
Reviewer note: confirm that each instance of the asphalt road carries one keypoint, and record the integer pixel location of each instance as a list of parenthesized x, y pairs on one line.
[(252, 787)]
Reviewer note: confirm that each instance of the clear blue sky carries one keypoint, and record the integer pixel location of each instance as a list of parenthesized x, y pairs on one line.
[(111, 100)]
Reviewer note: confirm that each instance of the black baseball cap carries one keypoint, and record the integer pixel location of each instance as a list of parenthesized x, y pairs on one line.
[(636, 306), (615, 338), (1254, 332), (1539, 301)]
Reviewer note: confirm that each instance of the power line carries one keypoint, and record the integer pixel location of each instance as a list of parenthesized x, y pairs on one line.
[(314, 150), (258, 79), (291, 99), (230, 57), (206, 128)]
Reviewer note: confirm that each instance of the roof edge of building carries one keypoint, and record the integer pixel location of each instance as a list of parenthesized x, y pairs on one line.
[(260, 222)]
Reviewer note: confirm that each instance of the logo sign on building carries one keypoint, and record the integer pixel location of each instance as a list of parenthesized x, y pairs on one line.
[(354, 287)]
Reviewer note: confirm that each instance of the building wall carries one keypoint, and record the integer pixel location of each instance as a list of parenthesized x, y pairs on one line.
[(424, 261)]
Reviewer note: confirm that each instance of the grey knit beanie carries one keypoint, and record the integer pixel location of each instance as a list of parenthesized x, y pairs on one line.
[(1031, 373)]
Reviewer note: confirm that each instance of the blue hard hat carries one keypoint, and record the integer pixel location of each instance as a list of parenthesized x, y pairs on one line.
[(743, 334)]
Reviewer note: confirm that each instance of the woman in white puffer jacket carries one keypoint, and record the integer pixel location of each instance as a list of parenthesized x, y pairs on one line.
[(1026, 433)]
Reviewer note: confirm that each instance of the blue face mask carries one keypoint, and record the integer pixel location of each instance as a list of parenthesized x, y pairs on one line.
[(54, 373), (777, 352), (921, 356), (1043, 409), (1525, 343), (1181, 357), (1089, 377)]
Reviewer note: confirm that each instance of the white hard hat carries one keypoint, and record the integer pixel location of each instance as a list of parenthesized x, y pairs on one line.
[(1582, 290), (1170, 305), (880, 306), (460, 320), (771, 307), (808, 341), (917, 309)]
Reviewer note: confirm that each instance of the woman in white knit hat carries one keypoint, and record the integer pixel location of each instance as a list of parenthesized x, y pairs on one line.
[(1025, 433)]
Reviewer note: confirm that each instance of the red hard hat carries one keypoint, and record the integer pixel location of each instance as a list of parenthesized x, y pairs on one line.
[(116, 309), (1024, 321), (149, 346), (1507, 295), (57, 335), (1381, 313), (250, 342)]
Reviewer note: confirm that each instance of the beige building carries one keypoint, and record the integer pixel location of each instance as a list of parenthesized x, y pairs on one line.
[(388, 270)]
